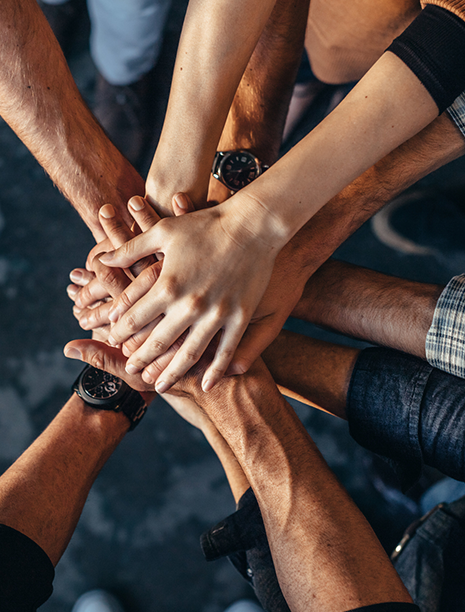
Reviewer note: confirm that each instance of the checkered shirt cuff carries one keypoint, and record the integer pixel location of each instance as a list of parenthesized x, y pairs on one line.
[(457, 112), (445, 342)]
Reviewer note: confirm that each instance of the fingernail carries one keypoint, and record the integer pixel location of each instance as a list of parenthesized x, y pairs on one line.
[(77, 310), (131, 369), (111, 341), (72, 290), (207, 385), (83, 322), (180, 201), (107, 258), (161, 386), (146, 377), (136, 203), (126, 352), (107, 211), (72, 353), (113, 315), (76, 276)]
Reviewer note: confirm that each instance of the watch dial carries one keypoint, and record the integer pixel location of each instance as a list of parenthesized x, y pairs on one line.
[(239, 169), (100, 385)]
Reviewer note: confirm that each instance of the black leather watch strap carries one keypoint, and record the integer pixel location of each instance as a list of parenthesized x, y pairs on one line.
[(103, 391)]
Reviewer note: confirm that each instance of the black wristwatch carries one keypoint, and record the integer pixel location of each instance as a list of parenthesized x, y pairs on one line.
[(103, 391), (237, 169)]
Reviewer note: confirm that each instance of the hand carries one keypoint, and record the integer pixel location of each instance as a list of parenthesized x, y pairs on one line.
[(215, 271), (284, 291)]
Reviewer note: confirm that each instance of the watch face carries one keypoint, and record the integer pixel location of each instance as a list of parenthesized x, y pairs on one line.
[(99, 387), (238, 169)]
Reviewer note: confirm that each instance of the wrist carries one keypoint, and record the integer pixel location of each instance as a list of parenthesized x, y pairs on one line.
[(249, 222)]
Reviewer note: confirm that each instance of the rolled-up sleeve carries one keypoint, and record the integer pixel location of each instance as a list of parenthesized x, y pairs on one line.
[(402, 408)]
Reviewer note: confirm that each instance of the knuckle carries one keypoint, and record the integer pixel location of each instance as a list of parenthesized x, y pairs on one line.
[(130, 321), (124, 300), (170, 290), (192, 355), (98, 361), (158, 346)]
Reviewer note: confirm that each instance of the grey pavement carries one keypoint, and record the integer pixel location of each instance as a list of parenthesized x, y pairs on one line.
[(139, 532)]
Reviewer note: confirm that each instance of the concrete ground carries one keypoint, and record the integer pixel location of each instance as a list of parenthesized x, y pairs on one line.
[(139, 532)]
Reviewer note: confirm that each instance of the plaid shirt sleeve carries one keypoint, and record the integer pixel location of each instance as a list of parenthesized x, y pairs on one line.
[(445, 341), (457, 112)]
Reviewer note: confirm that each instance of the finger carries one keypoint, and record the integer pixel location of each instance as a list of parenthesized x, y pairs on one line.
[(160, 340), (113, 280), (134, 250), (119, 233), (90, 294), (144, 214), (134, 342), (81, 276), (101, 247), (154, 369), (192, 350), (135, 291), (224, 353), (182, 204), (92, 318), (101, 333), (258, 336), (104, 358), (115, 227)]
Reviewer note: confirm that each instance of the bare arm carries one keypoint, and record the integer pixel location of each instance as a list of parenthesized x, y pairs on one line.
[(326, 556), (217, 41), (43, 492), (365, 304), (41, 103)]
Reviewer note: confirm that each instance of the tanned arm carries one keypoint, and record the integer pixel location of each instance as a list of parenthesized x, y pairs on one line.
[(42, 494), (327, 558), (41, 103)]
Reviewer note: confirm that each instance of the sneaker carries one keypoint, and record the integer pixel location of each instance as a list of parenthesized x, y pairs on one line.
[(244, 605), (126, 114), (63, 19), (423, 221), (97, 601)]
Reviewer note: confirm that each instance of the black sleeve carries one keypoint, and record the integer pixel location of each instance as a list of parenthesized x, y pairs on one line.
[(388, 607), (26, 572), (242, 537), (433, 47)]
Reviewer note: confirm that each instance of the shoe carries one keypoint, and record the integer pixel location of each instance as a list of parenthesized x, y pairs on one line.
[(244, 605), (97, 601), (126, 114), (423, 221), (63, 19)]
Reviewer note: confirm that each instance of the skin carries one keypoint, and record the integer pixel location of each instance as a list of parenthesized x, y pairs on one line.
[(325, 554), (434, 146), (42, 494), (243, 235), (41, 103)]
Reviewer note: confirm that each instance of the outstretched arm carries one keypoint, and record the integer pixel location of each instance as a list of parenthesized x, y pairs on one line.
[(43, 492), (41, 103), (327, 558)]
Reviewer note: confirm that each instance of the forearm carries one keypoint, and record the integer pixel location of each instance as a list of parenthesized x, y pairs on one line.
[(234, 473), (436, 145), (208, 69), (387, 107), (362, 303), (326, 555), (258, 112), (42, 104), (43, 492)]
